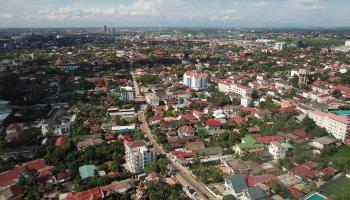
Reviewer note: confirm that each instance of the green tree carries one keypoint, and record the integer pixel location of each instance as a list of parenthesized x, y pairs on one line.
[(295, 81), (229, 197), (336, 94)]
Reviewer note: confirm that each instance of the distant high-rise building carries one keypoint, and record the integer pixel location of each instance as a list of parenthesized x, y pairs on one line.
[(280, 46), (105, 28), (195, 80), (347, 43), (113, 30), (303, 76), (299, 44)]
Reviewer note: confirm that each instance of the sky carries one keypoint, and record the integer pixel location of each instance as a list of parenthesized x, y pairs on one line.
[(174, 13)]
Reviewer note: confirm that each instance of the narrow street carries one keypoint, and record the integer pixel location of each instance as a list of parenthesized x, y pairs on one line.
[(184, 175)]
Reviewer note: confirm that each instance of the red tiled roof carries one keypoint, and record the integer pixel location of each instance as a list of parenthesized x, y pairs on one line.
[(248, 109), (311, 164), (182, 154), (186, 129), (9, 177), (343, 89), (295, 192), (300, 133), (237, 119), (225, 81), (169, 118), (16, 191), (125, 137), (196, 74), (60, 141), (189, 117), (327, 171), (45, 172), (213, 122), (303, 171), (109, 137), (287, 110), (269, 138), (266, 180), (133, 144), (92, 194)]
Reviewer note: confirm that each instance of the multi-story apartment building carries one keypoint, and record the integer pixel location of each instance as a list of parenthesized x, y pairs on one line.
[(138, 155), (337, 125), (126, 93), (277, 150), (229, 86), (195, 80), (280, 46)]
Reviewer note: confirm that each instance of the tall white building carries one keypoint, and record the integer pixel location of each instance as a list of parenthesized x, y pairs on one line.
[(277, 150), (280, 46), (138, 155), (126, 93), (337, 125), (347, 43), (228, 86), (195, 80)]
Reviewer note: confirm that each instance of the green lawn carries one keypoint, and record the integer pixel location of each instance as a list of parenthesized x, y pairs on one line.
[(341, 157), (339, 188)]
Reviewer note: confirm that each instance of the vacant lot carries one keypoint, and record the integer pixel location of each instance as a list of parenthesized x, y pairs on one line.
[(338, 188)]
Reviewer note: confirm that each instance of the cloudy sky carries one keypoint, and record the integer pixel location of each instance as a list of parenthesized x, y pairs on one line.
[(184, 13)]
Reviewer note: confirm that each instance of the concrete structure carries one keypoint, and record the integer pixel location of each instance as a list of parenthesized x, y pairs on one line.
[(277, 150), (195, 80), (229, 86), (235, 185), (126, 94), (138, 155), (152, 99), (303, 75), (337, 125), (280, 46)]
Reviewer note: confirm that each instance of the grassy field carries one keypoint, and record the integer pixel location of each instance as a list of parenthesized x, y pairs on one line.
[(341, 157), (338, 188)]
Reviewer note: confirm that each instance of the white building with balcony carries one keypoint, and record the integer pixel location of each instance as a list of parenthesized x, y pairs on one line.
[(138, 155), (337, 125), (195, 80), (277, 150)]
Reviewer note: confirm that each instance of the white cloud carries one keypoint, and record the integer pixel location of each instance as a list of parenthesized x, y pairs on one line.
[(139, 8), (225, 15), (304, 4)]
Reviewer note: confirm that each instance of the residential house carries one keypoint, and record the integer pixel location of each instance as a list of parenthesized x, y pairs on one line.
[(14, 131), (248, 144), (194, 146), (253, 193), (235, 185), (186, 131), (213, 125), (56, 126), (322, 142), (94, 194), (152, 99)]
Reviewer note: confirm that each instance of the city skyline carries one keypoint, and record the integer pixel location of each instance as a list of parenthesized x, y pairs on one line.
[(174, 13)]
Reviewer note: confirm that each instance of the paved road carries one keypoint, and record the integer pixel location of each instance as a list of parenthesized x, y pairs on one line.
[(184, 175), (138, 95)]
